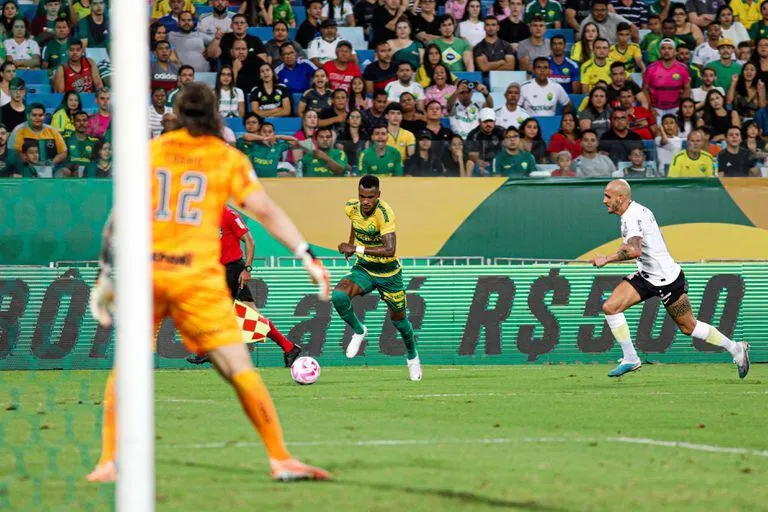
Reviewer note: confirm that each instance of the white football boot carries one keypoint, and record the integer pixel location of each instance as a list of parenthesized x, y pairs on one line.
[(414, 368), (355, 342)]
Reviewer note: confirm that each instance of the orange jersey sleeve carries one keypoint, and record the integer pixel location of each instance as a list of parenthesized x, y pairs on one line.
[(192, 180)]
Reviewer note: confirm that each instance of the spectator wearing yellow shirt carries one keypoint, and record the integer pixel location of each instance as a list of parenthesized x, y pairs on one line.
[(53, 150), (692, 162), (746, 11), (598, 67), (163, 7), (400, 139), (626, 51)]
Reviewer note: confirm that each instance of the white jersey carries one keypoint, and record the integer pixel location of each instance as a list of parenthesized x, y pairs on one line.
[(542, 101), (506, 118), (655, 264), (395, 89)]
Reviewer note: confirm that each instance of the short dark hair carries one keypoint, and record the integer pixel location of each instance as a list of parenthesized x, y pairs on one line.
[(538, 19), (601, 39), (267, 123), (393, 107), (240, 15), (185, 67), (406, 63), (622, 26), (654, 17), (380, 43), (156, 45), (278, 23), (491, 17), (336, 91), (668, 21), (589, 130), (628, 89), (287, 47), (377, 126), (557, 36), (618, 64), (746, 44), (379, 92), (29, 144), (314, 2), (84, 113), (323, 129), (250, 115), (369, 181), (344, 43), (511, 129), (541, 59), (597, 2), (671, 116), (430, 102), (36, 106), (76, 42)]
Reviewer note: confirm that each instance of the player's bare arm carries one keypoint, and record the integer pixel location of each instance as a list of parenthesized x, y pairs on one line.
[(262, 208), (250, 249), (628, 251), (348, 248)]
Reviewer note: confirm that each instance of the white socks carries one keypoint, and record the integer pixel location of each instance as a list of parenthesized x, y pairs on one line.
[(712, 336), (620, 330)]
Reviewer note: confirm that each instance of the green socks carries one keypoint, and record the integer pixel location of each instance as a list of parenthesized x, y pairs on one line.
[(343, 306), (406, 331)]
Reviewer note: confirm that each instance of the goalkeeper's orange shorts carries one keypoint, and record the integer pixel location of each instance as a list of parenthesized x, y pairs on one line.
[(200, 306)]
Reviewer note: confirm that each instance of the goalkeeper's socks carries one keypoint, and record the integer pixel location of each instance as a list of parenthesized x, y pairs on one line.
[(406, 331), (275, 335), (109, 422), (258, 405), (343, 305)]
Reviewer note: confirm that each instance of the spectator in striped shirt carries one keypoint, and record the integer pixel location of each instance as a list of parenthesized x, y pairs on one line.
[(636, 11)]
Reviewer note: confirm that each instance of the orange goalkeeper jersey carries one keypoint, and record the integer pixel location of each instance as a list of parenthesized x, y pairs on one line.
[(193, 178)]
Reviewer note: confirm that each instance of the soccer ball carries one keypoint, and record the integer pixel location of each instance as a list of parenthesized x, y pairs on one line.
[(305, 371)]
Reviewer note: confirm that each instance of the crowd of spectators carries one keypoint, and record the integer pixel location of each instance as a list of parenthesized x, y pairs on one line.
[(603, 88)]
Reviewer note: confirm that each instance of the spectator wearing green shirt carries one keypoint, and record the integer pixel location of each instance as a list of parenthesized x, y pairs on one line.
[(510, 161), (325, 160), (265, 149), (101, 161), (654, 25), (281, 10), (55, 51), (26, 163), (94, 28), (760, 29), (455, 51), (725, 67), (551, 11), (380, 158), (668, 29), (80, 147)]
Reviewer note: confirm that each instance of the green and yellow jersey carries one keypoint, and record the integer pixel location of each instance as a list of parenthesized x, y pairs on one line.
[(683, 166), (368, 232)]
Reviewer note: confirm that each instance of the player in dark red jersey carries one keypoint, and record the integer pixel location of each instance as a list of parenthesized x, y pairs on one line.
[(234, 231)]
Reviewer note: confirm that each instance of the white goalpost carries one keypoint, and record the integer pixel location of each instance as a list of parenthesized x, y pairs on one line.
[(134, 347)]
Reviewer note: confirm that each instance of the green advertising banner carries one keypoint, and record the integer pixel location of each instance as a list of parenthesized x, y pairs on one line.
[(484, 314)]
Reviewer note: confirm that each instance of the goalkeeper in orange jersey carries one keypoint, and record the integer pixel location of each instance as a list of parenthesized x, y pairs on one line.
[(238, 271), (194, 174)]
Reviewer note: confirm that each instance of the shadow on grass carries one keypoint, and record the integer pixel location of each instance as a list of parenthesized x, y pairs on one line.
[(464, 497)]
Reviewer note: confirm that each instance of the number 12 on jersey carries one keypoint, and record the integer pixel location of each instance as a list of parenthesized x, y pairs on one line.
[(193, 185)]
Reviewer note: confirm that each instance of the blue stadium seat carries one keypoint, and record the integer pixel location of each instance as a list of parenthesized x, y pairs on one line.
[(28, 10), (34, 76), (234, 123), (49, 101), (637, 78), (265, 33), (549, 126), (206, 77), (365, 57), (469, 76), (301, 14), (576, 99), (567, 33), (285, 125), (354, 35), (501, 79), (39, 89), (88, 100), (498, 99)]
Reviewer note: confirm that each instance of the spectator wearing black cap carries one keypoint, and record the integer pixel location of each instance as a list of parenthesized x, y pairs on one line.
[(423, 163), (323, 49)]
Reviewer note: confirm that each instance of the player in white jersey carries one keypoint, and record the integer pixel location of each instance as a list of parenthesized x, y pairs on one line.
[(658, 275)]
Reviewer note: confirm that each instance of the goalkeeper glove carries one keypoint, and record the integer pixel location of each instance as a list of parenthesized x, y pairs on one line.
[(317, 272), (102, 300)]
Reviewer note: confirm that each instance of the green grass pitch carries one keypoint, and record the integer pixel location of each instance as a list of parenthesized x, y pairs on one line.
[(670, 437)]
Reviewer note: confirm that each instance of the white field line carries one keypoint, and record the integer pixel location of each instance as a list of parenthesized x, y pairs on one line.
[(502, 440)]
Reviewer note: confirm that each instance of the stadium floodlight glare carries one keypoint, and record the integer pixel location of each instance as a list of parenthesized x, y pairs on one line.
[(134, 353)]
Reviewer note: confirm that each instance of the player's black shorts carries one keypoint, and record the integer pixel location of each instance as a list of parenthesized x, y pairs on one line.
[(234, 269), (669, 293)]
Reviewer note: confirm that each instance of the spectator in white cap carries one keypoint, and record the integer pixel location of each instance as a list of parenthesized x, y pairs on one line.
[(666, 81), (485, 141), (541, 96), (464, 111)]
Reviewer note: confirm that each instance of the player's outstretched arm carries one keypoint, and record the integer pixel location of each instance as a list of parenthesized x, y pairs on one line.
[(102, 300), (628, 251), (262, 208)]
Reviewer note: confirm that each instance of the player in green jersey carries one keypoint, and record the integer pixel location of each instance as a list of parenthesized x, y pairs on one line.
[(373, 239)]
